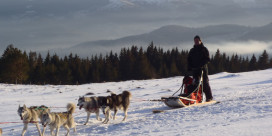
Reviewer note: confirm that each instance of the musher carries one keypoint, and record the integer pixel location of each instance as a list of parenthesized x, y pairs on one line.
[(198, 59)]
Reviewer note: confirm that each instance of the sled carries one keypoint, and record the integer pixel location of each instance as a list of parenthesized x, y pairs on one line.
[(192, 91), (177, 106), (178, 102)]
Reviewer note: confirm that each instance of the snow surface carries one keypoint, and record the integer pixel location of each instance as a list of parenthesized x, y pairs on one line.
[(245, 108)]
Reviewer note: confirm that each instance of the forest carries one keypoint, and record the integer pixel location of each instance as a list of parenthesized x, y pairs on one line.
[(133, 63)]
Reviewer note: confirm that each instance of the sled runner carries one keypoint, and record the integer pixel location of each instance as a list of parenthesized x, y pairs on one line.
[(192, 94), (198, 104)]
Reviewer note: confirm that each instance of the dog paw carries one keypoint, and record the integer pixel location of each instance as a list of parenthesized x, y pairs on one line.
[(105, 121)]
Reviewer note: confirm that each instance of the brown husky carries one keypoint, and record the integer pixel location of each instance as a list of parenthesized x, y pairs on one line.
[(115, 102)]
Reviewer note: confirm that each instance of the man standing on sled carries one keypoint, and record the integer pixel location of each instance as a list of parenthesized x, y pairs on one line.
[(198, 59)]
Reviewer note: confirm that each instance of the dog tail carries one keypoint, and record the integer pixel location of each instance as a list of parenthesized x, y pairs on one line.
[(126, 100), (71, 108), (127, 94)]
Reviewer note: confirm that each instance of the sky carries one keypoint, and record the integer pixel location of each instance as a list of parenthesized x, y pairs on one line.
[(35, 25)]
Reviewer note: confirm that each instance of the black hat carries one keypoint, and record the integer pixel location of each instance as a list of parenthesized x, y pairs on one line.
[(197, 37)]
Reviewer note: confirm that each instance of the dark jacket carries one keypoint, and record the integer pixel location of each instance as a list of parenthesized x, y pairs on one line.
[(198, 57)]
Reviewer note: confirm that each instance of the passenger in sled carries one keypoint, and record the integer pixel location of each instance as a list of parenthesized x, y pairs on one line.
[(198, 59)]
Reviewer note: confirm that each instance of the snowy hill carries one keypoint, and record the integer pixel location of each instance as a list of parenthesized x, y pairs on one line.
[(245, 107)]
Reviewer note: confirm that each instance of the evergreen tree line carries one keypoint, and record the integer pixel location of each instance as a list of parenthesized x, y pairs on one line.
[(132, 63)]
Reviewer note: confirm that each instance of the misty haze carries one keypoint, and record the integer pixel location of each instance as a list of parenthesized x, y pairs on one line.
[(99, 26)]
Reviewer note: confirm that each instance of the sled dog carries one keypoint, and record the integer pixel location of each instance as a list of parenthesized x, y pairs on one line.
[(57, 119), (115, 102), (91, 105), (0, 131), (31, 115)]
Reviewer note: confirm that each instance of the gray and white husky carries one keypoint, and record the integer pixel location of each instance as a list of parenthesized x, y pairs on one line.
[(115, 102), (57, 119), (91, 105), (31, 115)]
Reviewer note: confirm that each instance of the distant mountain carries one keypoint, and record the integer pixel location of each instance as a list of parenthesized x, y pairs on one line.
[(263, 33), (174, 35)]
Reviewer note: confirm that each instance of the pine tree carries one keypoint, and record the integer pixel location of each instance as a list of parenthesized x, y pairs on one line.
[(94, 70), (38, 76), (244, 64), (66, 73), (142, 66), (126, 64), (234, 63), (218, 63), (130, 63), (50, 70), (263, 62), (14, 66), (108, 69), (174, 61), (252, 63), (32, 60), (76, 70), (182, 62), (270, 63), (155, 58), (111, 67)]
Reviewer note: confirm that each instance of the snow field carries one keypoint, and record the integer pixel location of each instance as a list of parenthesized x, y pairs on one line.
[(245, 108)]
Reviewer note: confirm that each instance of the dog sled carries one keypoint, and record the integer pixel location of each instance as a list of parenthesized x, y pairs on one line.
[(191, 95)]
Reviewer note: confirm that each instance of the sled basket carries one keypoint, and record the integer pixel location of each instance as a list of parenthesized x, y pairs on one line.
[(193, 94)]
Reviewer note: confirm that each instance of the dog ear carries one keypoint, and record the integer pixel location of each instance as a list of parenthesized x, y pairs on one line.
[(24, 106)]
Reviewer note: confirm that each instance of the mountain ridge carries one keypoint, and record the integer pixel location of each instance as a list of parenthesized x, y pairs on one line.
[(176, 36)]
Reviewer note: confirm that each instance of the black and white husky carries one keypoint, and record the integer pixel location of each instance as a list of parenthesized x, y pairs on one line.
[(31, 115), (91, 105), (115, 102)]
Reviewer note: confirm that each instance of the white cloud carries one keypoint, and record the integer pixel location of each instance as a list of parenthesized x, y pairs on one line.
[(248, 47), (127, 2)]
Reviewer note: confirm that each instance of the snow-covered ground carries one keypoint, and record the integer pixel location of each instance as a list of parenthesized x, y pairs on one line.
[(245, 108)]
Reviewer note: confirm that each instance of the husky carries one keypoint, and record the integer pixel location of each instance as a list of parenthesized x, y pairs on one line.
[(31, 115), (91, 105), (115, 102), (58, 119)]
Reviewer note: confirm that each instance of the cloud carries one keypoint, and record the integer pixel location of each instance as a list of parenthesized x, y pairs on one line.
[(128, 2), (40, 24), (245, 48)]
